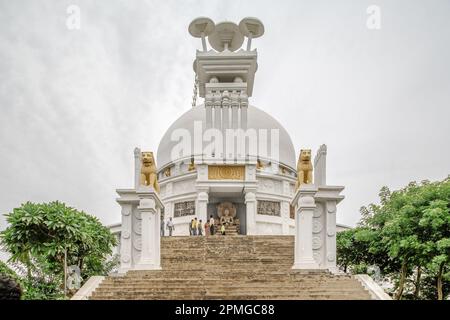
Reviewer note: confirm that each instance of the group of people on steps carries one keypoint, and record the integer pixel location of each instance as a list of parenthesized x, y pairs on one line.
[(209, 228), (196, 227)]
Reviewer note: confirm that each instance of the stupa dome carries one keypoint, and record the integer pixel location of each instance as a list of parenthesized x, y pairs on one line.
[(257, 119)]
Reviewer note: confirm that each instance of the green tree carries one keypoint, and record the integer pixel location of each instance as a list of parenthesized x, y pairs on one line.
[(38, 235), (435, 224), (353, 250), (406, 235)]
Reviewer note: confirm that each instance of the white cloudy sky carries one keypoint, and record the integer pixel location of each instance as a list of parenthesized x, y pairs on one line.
[(74, 104)]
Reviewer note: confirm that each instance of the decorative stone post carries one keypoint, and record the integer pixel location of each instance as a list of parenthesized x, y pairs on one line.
[(137, 167), (305, 205), (150, 211), (126, 248), (250, 202), (331, 236)]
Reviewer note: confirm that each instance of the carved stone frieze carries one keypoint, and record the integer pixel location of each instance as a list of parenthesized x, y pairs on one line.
[(226, 172), (270, 208)]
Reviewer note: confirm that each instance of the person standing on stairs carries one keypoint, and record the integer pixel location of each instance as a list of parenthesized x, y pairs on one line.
[(190, 227), (170, 226), (194, 227), (211, 225), (222, 229), (207, 229), (200, 228), (162, 227)]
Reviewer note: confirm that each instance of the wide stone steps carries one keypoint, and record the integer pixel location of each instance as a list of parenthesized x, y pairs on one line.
[(250, 296), (229, 267)]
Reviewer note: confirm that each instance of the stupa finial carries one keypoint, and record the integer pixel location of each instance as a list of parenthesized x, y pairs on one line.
[(251, 28), (226, 36), (201, 28)]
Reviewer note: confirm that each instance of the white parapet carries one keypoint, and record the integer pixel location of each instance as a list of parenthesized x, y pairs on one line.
[(374, 289), (88, 288)]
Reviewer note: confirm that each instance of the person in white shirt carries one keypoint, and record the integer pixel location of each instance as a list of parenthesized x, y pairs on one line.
[(170, 226)]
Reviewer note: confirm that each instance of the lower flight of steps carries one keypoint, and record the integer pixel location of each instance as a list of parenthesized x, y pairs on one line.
[(229, 267)]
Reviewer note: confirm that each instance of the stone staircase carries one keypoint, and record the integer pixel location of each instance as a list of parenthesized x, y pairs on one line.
[(229, 267), (230, 230)]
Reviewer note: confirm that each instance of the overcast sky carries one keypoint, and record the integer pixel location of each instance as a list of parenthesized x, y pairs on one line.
[(75, 103)]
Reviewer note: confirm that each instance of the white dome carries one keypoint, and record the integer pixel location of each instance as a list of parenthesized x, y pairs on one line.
[(256, 119)]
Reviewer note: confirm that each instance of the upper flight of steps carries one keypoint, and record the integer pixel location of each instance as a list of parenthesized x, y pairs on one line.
[(229, 267), (230, 230)]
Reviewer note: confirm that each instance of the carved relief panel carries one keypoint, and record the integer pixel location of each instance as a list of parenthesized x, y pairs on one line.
[(319, 229), (136, 238), (185, 208), (270, 208)]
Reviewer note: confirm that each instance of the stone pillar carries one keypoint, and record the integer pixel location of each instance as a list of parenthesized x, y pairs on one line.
[(218, 111), (305, 206), (225, 120), (250, 202), (202, 204), (320, 166), (330, 242), (208, 106), (244, 106), (150, 210), (234, 110), (137, 167), (225, 111), (126, 248)]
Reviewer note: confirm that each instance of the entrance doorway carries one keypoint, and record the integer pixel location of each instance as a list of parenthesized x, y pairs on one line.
[(215, 199)]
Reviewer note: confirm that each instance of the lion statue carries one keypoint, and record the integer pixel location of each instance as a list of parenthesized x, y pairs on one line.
[(304, 168), (148, 171)]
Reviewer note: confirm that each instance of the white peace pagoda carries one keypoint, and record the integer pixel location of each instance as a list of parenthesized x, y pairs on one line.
[(231, 160)]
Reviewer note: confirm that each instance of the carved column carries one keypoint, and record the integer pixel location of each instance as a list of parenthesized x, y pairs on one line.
[(331, 236), (125, 241), (202, 206), (208, 106), (244, 106), (225, 121), (320, 166), (225, 111), (234, 109), (150, 210), (250, 202), (327, 198), (137, 167), (305, 206), (218, 110)]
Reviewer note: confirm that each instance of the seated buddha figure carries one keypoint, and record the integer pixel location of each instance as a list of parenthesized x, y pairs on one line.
[(226, 212), (226, 218)]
